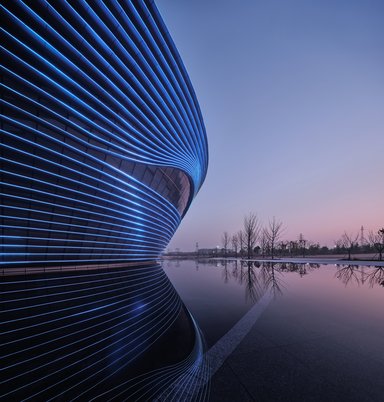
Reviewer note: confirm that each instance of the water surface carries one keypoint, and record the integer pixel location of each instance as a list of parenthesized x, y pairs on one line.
[(315, 298)]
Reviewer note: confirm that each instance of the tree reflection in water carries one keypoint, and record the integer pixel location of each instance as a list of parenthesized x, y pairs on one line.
[(226, 272), (375, 276), (272, 278), (360, 275), (235, 270), (253, 287), (257, 277), (349, 274)]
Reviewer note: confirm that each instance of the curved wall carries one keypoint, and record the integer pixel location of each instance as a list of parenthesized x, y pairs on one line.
[(103, 146)]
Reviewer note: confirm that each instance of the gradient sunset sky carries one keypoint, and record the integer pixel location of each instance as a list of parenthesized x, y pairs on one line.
[(292, 95)]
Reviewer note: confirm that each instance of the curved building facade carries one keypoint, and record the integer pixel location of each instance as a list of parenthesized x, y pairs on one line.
[(102, 151), (103, 146)]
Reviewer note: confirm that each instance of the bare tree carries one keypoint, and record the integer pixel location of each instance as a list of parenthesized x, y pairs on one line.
[(313, 248), (338, 246), (377, 241), (349, 242), (240, 236), (273, 232), (264, 245), (235, 243), (283, 245), (302, 243), (225, 239), (251, 232), (293, 246)]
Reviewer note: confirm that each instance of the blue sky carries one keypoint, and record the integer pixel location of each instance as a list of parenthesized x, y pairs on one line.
[(292, 94)]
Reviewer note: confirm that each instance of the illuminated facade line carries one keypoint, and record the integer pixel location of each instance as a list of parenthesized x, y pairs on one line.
[(103, 149)]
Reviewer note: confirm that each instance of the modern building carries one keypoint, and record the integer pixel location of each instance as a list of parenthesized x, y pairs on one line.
[(103, 149), (103, 146)]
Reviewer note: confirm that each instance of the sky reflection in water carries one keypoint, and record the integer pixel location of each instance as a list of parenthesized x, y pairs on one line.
[(317, 297)]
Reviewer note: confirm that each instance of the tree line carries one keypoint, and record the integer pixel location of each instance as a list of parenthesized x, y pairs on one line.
[(254, 239)]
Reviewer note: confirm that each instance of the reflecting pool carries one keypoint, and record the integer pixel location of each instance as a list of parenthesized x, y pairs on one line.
[(321, 336), (217, 293), (281, 331)]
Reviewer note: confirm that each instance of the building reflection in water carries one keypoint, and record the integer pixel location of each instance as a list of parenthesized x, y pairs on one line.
[(113, 332)]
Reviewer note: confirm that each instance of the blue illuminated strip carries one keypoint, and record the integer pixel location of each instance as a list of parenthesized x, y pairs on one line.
[(140, 224), (153, 150), (103, 148), (86, 331), (85, 234), (132, 211), (151, 64), (153, 203), (150, 152), (113, 54), (185, 380), (180, 78), (176, 83)]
